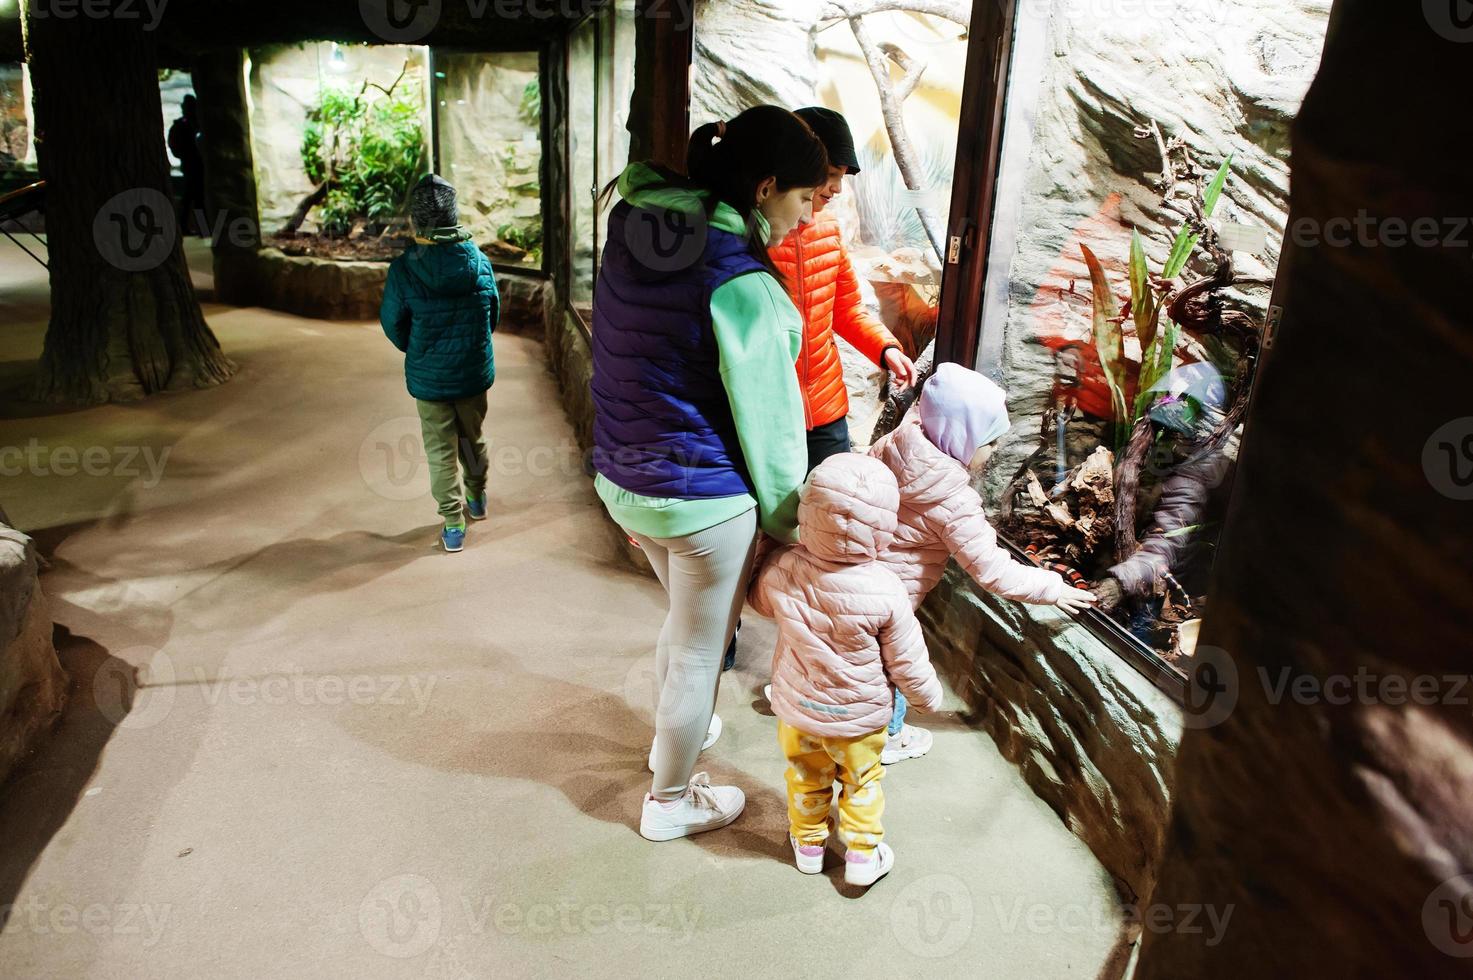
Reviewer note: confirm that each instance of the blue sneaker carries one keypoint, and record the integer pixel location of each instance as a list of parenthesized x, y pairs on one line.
[(476, 507), (453, 537)]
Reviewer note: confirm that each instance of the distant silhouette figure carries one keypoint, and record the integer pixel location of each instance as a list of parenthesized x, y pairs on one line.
[(184, 138)]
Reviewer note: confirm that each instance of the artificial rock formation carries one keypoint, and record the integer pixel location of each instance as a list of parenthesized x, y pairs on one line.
[(33, 687), (1325, 790)]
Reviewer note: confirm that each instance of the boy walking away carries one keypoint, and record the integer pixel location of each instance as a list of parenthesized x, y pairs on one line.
[(440, 307), (956, 423), (846, 637)]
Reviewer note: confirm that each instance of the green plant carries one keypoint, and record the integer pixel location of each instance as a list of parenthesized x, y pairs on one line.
[(1147, 308), (529, 111), (526, 237), (364, 155)]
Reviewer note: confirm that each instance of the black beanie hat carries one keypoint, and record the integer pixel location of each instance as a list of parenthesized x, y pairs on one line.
[(833, 130), (432, 204)]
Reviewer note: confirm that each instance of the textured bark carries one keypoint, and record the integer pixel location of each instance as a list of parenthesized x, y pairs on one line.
[(114, 334), (1337, 827)]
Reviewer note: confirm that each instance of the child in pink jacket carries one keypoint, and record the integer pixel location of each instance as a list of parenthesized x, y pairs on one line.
[(847, 637), (956, 423)]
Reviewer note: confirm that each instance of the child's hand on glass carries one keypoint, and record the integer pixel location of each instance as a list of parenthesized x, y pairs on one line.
[(1075, 601)]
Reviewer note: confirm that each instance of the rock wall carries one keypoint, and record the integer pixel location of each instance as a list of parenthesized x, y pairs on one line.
[(1093, 738), (33, 687), (489, 147), (1325, 790)]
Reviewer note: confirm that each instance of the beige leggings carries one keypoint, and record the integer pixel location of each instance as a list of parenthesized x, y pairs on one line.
[(705, 575)]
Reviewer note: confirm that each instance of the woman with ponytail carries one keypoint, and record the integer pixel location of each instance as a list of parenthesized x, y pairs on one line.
[(698, 420)]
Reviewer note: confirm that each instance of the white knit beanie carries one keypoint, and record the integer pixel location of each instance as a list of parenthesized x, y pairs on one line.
[(962, 411)]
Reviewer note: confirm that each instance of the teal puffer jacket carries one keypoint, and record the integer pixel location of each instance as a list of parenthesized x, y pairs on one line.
[(440, 306)]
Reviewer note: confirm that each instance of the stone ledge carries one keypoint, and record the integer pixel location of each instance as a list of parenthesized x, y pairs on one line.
[(1092, 737), (332, 289), (571, 362)]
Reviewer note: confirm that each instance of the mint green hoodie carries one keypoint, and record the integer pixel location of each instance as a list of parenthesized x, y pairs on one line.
[(758, 337)]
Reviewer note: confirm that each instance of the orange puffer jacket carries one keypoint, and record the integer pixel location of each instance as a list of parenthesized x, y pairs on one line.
[(822, 283)]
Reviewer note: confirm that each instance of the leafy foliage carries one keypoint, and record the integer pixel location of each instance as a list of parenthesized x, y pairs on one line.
[(369, 153), (530, 109), (1148, 302)]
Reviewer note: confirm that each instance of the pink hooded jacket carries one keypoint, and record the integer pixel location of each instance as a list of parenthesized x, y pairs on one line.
[(845, 628), (941, 516)]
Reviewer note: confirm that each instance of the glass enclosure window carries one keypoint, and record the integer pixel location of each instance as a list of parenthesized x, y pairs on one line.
[(18, 151), (1141, 205), (339, 133), (600, 84), (16, 148), (896, 212), (488, 126)]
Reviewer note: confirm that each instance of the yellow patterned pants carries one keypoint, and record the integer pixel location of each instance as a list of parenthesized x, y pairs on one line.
[(813, 764)]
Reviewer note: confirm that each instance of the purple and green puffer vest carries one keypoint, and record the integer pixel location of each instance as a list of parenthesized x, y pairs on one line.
[(662, 424)]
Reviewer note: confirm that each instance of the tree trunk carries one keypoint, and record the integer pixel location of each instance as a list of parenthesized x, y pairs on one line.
[(124, 318)]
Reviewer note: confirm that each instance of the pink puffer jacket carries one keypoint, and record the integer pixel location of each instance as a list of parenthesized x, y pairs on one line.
[(845, 628), (941, 516)]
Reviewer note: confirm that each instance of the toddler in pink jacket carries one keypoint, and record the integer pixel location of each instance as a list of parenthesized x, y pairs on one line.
[(956, 422), (847, 637)]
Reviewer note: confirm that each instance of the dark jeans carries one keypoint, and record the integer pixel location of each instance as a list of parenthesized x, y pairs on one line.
[(828, 440)]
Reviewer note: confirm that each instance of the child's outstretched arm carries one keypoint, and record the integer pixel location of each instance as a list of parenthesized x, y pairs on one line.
[(903, 651), (766, 580), (972, 541)]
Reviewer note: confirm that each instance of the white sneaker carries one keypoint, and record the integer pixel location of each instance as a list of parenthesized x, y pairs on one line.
[(909, 743), (767, 692), (703, 807), (866, 871), (808, 856), (713, 732)]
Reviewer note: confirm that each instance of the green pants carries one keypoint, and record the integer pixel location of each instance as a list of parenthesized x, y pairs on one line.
[(453, 430)]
